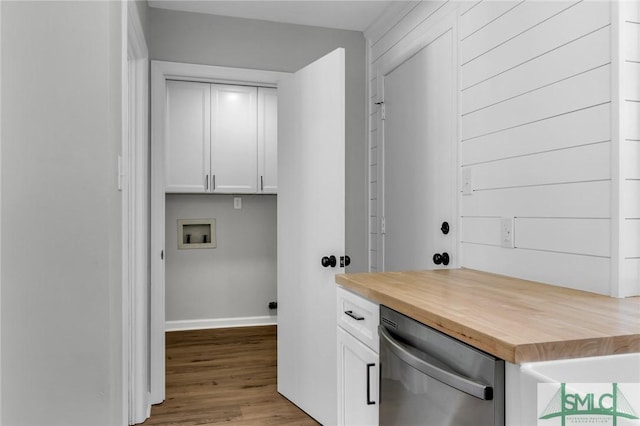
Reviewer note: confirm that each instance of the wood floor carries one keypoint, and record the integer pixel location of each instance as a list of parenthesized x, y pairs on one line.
[(224, 376)]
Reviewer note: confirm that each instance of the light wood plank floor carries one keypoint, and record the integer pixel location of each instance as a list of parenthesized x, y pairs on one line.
[(224, 376)]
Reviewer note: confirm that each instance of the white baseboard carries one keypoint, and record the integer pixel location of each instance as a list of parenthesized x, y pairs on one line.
[(201, 324)]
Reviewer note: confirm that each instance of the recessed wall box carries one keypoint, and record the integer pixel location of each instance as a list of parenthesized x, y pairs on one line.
[(196, 233)]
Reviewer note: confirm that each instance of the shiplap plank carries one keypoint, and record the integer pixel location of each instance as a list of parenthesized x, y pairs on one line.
[(373, 242), (373, 222), (632, 36), (630, 277), (373, 135), (483, 14), (586, 53), (631, 231), (631, 158), (424, 34), (373, 188), (569, 235), (584, 199), (633, 122), (373, 207), (373, 173), (519, 19), (465, 6), (577, 128), (631, 199), (585, 163), (587, 89), (373, 122), (373, 258), (632, 81), (422, 12), (565, 235), (389, 18), (586, 273), (630, 10), (561, 29), (373, 155), (480, 230)]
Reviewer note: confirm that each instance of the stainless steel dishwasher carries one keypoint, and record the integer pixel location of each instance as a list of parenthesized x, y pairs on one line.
[(430, 379)]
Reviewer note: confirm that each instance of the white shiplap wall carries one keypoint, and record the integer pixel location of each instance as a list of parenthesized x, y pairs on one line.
[(535, 123), (535, 130), (629, 148)]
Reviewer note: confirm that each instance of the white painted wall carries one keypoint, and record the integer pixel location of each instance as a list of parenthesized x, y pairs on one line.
[(535, 131), (237, 279), (61, 214)]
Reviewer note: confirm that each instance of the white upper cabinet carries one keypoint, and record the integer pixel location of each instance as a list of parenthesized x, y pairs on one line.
[(267, 140), (234, 139), (188, 129), (221, 138)]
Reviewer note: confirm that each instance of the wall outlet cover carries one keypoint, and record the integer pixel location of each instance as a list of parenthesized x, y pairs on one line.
[(507, 238), (237, 203)]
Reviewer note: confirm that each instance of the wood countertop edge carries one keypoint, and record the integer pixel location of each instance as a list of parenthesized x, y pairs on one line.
[(517, 353)]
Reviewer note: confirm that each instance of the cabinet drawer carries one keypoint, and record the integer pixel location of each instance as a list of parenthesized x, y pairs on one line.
[(359, 317)]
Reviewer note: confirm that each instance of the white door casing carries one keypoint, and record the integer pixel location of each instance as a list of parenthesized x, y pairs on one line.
[(311, 208), (161, 72), (419, 158), (135, 221)]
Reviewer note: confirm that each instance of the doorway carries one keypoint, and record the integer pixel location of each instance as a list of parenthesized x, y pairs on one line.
[(419, 174)]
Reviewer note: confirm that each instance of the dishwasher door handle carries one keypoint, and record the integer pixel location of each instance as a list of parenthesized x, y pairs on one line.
[(434, 368)]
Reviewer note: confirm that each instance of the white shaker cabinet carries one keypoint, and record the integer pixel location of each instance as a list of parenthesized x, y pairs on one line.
[(188, 130), (267, 140), (358, 360), (234, 139), (220, 138)]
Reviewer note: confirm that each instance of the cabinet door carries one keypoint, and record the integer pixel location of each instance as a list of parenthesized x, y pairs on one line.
[(234, 141), (358, 370), (267, 140), (188, 127)]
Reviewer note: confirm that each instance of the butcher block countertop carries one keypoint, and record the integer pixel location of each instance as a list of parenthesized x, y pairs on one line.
[(513, 319)]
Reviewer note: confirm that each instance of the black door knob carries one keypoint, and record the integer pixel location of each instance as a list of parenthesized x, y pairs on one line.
[(329, 261), (445, 228), (441, 258)]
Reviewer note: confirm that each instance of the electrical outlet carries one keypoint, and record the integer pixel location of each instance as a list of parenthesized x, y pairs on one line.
[(237, 203), (506, 232), (466, 181)]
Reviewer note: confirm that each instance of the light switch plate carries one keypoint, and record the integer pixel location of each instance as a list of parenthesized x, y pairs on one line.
[(237, 203), (507, 239)]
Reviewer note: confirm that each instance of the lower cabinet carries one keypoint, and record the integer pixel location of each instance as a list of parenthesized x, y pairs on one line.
[(358, 370), (358, 362)]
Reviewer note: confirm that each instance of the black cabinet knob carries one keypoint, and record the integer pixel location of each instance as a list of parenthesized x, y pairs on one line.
[(329, 261), (345, 261)]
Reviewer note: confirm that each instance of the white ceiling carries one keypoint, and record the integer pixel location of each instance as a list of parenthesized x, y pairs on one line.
[(354, 15)]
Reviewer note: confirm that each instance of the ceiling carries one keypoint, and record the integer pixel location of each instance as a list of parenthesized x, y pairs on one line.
[(354, 15)]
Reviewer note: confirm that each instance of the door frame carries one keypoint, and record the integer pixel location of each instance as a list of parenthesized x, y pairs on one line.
[(384, 67), (133, 181), (161, 71)]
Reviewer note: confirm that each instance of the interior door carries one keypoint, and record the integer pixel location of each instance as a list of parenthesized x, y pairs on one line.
[(311, 206), (419, 163)]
